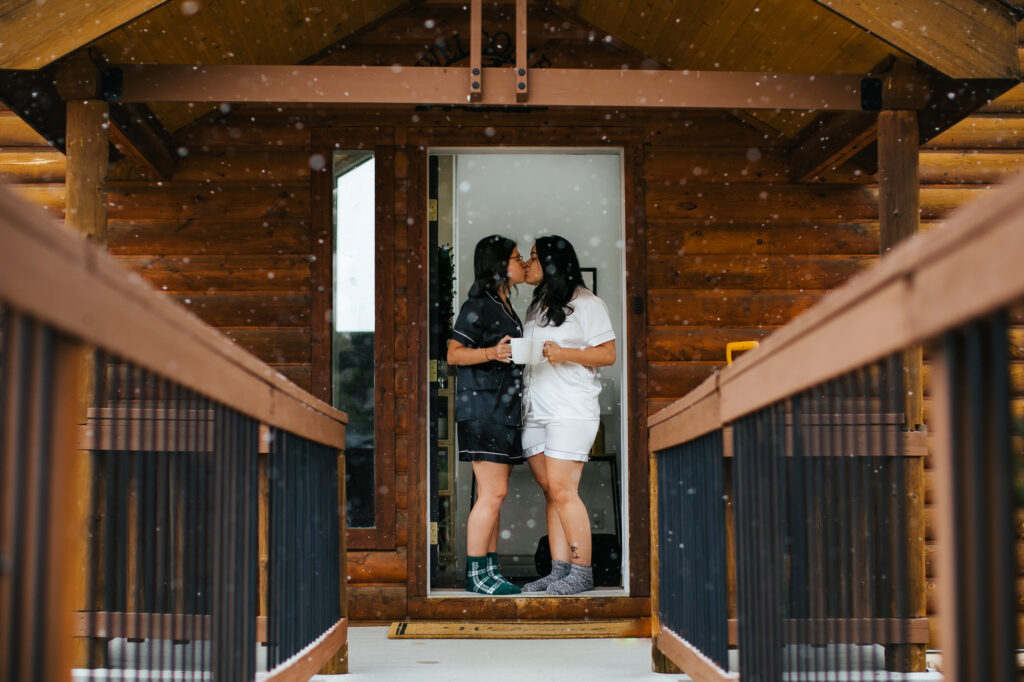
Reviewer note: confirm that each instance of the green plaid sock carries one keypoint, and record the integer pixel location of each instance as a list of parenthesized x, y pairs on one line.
[(495, 574)]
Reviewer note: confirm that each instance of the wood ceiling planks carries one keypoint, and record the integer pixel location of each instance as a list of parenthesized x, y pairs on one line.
[(34, 34), (235, 32), (742, 35)]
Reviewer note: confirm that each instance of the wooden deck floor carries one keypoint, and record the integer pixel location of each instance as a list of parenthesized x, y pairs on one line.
[(375, 658)]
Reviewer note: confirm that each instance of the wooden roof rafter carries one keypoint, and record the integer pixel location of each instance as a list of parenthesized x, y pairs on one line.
[(960, 38), (569, 9), (451, 85), (35, 34), (134, 131)]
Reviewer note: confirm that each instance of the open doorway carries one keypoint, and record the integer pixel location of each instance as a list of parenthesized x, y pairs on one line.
[(525, 194)]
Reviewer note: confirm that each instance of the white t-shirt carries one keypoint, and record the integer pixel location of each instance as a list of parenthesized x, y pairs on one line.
[(568, 390)]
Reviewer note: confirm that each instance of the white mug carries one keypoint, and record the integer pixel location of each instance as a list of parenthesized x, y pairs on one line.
[(527, 351)]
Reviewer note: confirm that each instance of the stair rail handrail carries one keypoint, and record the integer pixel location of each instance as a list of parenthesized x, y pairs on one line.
[(184, 404), (957, 279)]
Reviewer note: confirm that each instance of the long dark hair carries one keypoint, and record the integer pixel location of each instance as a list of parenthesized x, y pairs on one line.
[(562, 277), (490, 263)]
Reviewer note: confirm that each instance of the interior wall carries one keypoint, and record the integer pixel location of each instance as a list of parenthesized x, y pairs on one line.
[(576, 194)]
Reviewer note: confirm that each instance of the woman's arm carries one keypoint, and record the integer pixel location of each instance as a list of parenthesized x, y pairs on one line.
[(595, 356), (459, 354)]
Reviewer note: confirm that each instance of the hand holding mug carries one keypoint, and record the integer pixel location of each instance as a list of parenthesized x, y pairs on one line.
[(553, 352), (501, 352)]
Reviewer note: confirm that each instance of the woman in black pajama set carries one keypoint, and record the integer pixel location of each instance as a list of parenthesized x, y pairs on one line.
[(488, 401)]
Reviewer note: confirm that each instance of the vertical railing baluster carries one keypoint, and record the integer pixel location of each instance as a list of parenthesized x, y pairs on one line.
[(11, 590), (7, 507)]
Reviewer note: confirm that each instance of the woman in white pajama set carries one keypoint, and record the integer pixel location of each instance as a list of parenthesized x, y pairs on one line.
[(561, 402)]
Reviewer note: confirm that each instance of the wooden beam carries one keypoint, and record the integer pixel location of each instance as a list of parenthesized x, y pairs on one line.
[(138, 135), (34, 34), (836, 137), (438, 85), (33, 97), (949, 102), (829, 141), (961, 38)]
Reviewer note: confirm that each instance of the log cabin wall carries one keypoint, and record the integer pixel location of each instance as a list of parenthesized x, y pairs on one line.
[(963, 163), (733, 249)]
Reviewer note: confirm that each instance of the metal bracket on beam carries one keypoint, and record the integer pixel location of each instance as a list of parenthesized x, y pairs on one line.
[(112, 84), (522, 93), (476, 71), (871, 94)]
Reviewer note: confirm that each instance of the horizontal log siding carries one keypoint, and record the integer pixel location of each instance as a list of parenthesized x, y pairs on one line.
[(734, 249), (229, 236)]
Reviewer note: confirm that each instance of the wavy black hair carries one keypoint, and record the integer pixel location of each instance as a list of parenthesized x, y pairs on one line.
[(561, 279), (490, 263)]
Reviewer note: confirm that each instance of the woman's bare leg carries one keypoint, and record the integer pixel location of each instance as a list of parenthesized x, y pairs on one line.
[(491, 489), (556, 535), (557, 543), (492, 544), (564, 483)]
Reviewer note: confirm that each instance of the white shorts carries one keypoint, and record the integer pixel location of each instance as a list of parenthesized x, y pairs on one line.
[(569, 439)]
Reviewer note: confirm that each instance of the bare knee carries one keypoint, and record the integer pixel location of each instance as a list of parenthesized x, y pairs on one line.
[(545, 488), (492, 498), (560, 493)]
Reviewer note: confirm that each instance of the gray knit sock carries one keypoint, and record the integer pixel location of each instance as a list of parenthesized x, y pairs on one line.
[(580, 579), (559, 569)]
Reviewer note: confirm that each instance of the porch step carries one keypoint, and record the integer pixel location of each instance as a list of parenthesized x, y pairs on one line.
[(536, 629)]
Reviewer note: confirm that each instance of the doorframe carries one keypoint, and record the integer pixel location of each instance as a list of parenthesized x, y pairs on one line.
[(636, 486)]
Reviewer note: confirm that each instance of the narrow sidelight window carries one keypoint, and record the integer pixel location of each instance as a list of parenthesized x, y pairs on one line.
[(353, 342)]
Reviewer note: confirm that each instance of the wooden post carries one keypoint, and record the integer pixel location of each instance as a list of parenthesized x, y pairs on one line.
[(338, 664), (87, 149), (899, 218), (898, 187)]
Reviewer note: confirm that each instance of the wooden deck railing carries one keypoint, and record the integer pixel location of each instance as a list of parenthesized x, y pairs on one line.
[(167, 501), (822, 501)]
